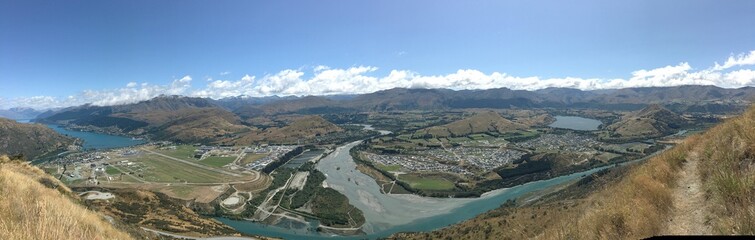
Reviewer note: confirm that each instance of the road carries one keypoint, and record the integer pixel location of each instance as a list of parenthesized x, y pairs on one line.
[(197, 238)]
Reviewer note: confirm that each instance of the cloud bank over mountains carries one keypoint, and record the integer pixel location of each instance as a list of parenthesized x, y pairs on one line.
[(323, 80)]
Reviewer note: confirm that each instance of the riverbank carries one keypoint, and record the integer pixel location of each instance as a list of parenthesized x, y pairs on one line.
[(387, 214)]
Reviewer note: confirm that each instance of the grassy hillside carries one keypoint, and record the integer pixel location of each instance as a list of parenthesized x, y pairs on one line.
[(199, 125), (479, 123), (727, 170), (304, 127), (652, 121), (35, 206), (29, 140)]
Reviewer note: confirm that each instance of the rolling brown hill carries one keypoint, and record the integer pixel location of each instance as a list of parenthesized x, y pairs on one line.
[(303, 127), (652, 121), (28, 139), (488, 121), (199, 125)]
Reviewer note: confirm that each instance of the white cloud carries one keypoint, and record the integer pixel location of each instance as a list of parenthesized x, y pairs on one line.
[(324, 80), (224, 73), (133, 92), (743, 59), (319, 68)]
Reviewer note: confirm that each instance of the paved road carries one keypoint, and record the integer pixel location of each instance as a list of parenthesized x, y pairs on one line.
[(193, 164), (198, 238)]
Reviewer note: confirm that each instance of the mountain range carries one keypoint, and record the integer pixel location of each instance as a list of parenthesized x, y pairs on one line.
[(191, 119), (682, 98)]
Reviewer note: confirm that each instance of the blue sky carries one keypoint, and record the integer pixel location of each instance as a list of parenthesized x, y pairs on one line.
[(95, 50)]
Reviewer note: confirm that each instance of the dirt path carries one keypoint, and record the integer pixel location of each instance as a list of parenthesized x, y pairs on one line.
[(689, 213)]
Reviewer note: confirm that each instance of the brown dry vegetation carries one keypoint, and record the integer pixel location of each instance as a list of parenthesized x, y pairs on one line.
[(35, 206), (304, 127), (482, 122), (158, 211), (727, 169), (652, 121), (29, 139), (635, 207)]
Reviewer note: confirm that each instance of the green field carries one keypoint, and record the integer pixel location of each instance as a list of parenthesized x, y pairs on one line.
[(182, 152), (251, 157), (50, 170), (427, 183), (214, 161), (112, 171), (389, 168), (160, 169)]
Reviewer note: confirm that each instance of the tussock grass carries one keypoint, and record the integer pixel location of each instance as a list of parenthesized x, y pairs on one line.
[(30, 209), (635, 207), (728, 173)]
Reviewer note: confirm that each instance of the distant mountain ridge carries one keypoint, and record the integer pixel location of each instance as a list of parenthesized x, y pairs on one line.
[(191, 119), (692, 98), (20, 113)]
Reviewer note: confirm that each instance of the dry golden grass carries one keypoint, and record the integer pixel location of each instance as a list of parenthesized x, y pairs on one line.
[(32, 207), (636, 207), (727, 169)]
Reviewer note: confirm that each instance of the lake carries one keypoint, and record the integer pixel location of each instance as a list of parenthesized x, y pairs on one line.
[(94, 140), (386, 214), (576, 123)]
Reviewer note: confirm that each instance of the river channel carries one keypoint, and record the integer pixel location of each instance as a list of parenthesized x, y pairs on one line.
[(386, 214)]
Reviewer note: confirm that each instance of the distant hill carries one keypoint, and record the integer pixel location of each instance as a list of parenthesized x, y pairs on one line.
[(199, 125), (652, 121), (165, 117), (305, 127), (302, 105), (29, 140), (488, 121), (36, 206), (19, 113)]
